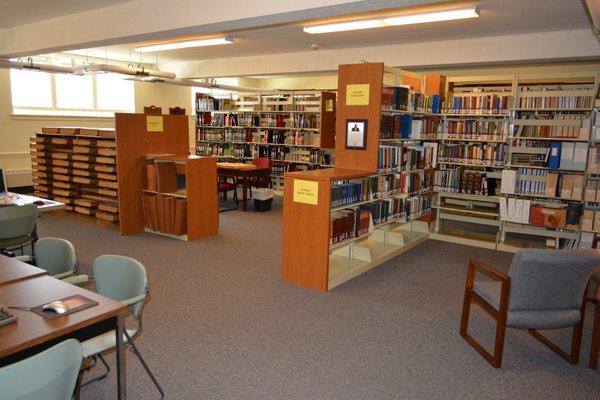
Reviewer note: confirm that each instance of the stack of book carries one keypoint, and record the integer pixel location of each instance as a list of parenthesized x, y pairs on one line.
[(591, 219), (347, 192), (426, 103), (416, 207), (593, 166), (389, 159), (384, 210), (592, 191)]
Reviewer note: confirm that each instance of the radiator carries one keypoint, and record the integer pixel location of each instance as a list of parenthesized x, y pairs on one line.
[(18, 177)]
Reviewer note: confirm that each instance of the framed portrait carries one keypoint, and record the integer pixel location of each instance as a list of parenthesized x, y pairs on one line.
[(356, 134)]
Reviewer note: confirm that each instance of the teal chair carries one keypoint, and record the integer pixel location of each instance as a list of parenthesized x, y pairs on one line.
[(17, 226), (57, 256), (123, 279), (49, 375)]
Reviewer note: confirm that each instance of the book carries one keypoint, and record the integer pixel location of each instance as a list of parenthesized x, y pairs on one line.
[(166, 177)]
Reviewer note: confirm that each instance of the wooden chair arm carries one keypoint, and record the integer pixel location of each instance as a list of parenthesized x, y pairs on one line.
[(475, 265)]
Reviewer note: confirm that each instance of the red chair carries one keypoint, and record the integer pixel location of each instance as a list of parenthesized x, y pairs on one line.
[(261, 181), (223, 187)]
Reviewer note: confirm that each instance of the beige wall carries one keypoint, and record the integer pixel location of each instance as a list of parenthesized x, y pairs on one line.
[(16, 131)]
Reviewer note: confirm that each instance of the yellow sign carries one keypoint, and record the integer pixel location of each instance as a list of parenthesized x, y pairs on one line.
[(357, 94), (154, 123), (306, 192)]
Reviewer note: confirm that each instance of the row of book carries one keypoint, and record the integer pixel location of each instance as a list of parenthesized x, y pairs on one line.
[(211, 104), (306, 121), (555, 155), (576, 126), (163, 177), (380, 186), (478, 104), (426, 103), (592, 191), (347, 224), (471, 129), (246, 120), (557, 216), (404, 126), (532, 181), (591, 219), (593, 166), (473, 153), (395, 98), (406, 158), (165, 214), (460, 180), (556, 102)]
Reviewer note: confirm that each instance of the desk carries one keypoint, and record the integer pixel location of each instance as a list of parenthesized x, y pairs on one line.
[(12, 270), (32, 333), (21, 200), (243, 171)]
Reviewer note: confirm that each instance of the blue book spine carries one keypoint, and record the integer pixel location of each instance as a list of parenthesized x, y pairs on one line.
[(405, 126), (554, 159), (435, 103)]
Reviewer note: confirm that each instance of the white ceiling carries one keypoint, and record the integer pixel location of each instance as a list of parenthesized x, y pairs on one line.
[(20, 12), (497, 17)]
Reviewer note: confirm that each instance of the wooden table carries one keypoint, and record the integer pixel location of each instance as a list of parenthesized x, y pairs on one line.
[(21, 200), (32, 333), (12, 270), (243, 171)]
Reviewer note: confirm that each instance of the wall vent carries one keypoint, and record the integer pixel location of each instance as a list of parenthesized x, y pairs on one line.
[(18, 177)]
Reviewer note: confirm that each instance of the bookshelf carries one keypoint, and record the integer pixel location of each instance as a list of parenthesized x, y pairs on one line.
[(77, 166), (547, 134), (473, 144), (295, 129), (163, 140), (179, 193), (374, 204)]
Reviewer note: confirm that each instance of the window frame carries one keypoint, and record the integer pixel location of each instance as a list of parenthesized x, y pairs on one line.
[(54, 111)]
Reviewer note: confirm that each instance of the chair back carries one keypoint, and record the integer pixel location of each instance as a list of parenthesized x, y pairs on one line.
[(55, 255), (550, 279), (120, 278), (49, 375), (262, 162), (17, 221)]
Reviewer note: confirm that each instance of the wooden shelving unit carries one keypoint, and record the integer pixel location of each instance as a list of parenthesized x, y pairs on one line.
[(77, 166), (295, 129), (310, 258), (139, 137)]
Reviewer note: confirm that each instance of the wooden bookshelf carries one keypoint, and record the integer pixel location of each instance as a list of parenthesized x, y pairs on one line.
[(311, 256), (75, 166), (135, 142)]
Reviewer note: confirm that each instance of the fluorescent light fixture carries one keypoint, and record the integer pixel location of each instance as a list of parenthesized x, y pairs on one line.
[(394, 21), (184, 45)]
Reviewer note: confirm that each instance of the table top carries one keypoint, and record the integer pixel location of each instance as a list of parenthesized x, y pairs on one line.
[(21, 200), (12, 270), (240, 166), (31, 329)]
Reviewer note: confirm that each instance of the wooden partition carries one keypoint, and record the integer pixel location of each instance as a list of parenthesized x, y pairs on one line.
[(135, 141), (370, 74)]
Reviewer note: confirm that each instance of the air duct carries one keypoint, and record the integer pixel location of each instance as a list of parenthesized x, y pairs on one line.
[(139, 71), (191, 83), (29, 65)]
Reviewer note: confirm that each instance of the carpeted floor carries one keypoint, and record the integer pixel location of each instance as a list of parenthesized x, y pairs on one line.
[(222, 325)]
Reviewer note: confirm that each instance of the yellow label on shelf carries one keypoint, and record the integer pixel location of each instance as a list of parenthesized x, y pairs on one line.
[(154, 123), (357, 94), (306, 192)]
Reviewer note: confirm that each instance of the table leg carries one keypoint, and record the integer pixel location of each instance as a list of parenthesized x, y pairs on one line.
[(245, 194), (121, 376)]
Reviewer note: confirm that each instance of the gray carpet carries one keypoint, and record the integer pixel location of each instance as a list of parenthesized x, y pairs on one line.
[(222, 325)]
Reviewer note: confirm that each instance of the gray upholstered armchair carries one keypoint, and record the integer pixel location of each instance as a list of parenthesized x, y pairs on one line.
[(544, 289)]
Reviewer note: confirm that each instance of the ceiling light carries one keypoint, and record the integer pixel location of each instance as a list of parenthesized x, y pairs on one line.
[(186, 44), (394, 21)]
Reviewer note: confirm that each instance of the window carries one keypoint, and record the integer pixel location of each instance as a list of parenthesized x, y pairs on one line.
[(100, 95)]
